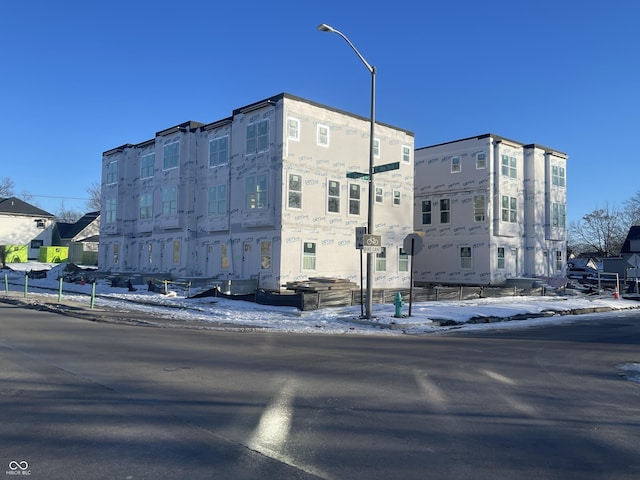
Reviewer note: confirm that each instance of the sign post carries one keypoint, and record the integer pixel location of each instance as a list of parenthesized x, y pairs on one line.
[(412, 244)]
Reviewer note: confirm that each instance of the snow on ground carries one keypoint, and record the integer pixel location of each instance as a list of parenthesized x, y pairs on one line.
[(426, 317)]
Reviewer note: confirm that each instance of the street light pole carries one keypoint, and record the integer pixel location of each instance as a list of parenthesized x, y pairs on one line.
[(370, 224)]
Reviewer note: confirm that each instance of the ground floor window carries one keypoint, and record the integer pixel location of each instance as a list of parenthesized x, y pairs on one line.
[(176, 252), (116, 253), (465, 257), (224, 256), (500, 257), (403, 260), (559, 260), (381, 260), (309, 256), (265, 255)]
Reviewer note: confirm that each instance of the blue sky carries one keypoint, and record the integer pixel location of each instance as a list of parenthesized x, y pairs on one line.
[(79, 78)]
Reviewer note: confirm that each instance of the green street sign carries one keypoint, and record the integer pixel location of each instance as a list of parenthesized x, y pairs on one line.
[(386, 167), (363, 176)]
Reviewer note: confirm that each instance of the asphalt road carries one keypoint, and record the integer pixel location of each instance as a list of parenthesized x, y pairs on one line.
[(91, 400)]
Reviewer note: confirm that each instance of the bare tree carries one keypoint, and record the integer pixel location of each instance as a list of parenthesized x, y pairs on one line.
[(6, 187), (632, 210), (601, 231), (66, 215), (94, 190)]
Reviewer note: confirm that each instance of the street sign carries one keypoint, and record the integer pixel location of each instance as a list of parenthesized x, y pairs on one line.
[(363, 176), (414, 240), (372, 243), (360, 232), (386, 167), (634, 260)]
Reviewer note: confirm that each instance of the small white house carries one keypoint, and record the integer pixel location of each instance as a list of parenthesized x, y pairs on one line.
[(263, 194), (491, 209), (24, 224)]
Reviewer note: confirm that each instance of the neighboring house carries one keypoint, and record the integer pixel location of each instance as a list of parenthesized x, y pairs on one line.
[(22, 224), (262, 194), (627, 264), (81, 237), (491, 209)]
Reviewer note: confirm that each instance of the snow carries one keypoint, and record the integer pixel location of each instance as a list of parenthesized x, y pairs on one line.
[(427, 317)]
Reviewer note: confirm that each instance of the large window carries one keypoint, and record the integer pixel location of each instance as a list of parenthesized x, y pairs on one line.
[(333, 197), (218, 151), (559, 215), (147, 165), (258, 137), (478, 208), (381, 260), (509, 166), (295, 191), (217, 200), (170, 200), (445, 210), (403, 260), (323, 135), (426, 212), (112, 172), (146, 206), (501, 258), (256, 192), (354, 199), (557, 176), (309, 256), (110, 210), (466, 261), (509, 209), (171, 155)]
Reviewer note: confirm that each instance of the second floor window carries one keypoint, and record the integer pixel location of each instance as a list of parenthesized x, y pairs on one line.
[(171, 155), (295, 191), (218, 199), (509, 166), (478, 208), (396, 198), (559, 215), (509, 209), (354, 199), (219, 151), (379, 195), (170, 201), (110, 210), (333, 197), (557, 176), (146, 206), (256, 192)]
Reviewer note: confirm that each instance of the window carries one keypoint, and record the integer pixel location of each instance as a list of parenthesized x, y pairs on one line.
[(218, 151), (293, 128), (403, 260), (146, 206), (150, 252), (456, 167), (323, 136), (406, 154), (110, 210), (557, 176), (170, 200), (379, 195), (256, 191), (354, 199), (176, 252), (295, 191), (171, 155), (217, 200), (465, 257), (37, 243), (445, 210), (112, 172), (559, 260), (376, 147), (309, 256), (258, 137), (501, 258), (381, 260), (396, 198), (147, 165), (509, 166), (116, 253), (481, 160), (265, 255), (559, 215), (426, 212), (333, 197), (478, 208), (509, 209)]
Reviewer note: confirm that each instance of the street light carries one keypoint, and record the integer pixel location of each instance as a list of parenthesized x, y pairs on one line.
[(372, 70)]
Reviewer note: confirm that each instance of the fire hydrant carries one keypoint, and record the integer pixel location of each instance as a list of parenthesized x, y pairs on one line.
[(398, 302)]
